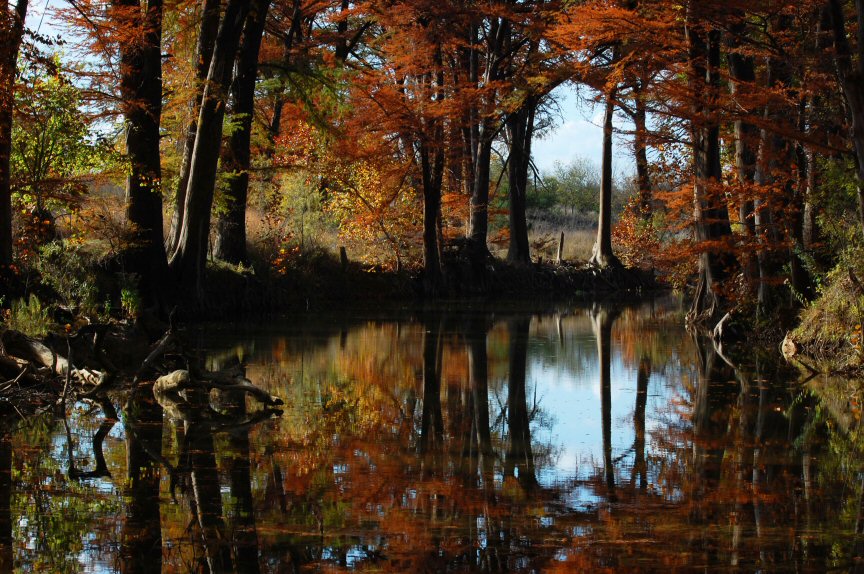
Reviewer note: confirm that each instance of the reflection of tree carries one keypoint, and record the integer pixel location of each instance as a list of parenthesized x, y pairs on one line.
[(6, 563), (520, 458), (602, 320), (141, 550), (432, 422), (640, 467), (478, 374), (242, 513), (101, 467), (723, 475), (207, 496)]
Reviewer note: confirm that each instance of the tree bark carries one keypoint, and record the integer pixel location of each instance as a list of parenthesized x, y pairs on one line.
[(602, 254), (478, 228), (189, 258), (11, 32), (779, 217), (141, 89), (520, 125), (711, 215), (640, 145), (852, 83), (432, 165), (203, 55), (231, 225), (742, 72)]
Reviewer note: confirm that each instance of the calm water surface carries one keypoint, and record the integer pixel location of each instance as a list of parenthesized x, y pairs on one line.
[(580, 438)]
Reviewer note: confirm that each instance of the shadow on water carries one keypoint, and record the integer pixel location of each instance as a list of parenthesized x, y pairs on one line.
[(480, 440)]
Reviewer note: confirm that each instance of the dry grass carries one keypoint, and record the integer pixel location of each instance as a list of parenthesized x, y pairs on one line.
[(106, 212), (544, 233)]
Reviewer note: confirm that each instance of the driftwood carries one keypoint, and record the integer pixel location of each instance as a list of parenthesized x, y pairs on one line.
[(168, 387), (20, 346), (185, 394)]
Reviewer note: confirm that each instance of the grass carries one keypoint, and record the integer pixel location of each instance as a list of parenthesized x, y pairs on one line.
[(544, 233)]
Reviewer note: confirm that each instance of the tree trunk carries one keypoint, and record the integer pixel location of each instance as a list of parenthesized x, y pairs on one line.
[(742, 72), (11, 31), (432, 165), (779, 220), (640, 145), (203, 55), (188, 260), (852, 83), (710, 212), (799, 277), (602, 254), (231, 226), (478, 229), (141, 89), (520, 125)]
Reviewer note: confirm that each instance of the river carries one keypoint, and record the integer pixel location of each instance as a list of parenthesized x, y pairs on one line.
[(570, 437)]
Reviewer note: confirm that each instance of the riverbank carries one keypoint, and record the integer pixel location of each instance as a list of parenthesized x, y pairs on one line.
[(324, 281), (828, 337)]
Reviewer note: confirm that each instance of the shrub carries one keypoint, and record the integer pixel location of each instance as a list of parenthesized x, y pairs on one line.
[(29, 317)]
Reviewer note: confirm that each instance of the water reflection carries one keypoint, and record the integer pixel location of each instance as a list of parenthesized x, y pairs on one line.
[(6, 554), (141, 537), (580, 438)]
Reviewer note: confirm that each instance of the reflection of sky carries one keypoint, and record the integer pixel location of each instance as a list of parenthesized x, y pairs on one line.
[(572, 400)]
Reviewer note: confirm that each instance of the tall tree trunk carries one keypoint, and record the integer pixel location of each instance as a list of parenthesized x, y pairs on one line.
[(203, 55), (520, 125), (141, 89), (231, 226), (799, 277), (188, 260), (11, 32), (742, 72), (478, 228), (486, 130), (852, 83), (779, 220), (432, 165), (640, 148), (710, 212), (602, 254)]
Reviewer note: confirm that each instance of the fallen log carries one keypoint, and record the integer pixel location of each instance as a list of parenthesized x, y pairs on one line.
[(19, 345)]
